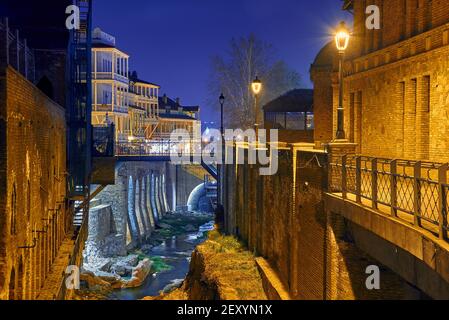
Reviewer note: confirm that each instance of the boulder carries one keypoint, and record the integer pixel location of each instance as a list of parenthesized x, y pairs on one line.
[(139, 274)]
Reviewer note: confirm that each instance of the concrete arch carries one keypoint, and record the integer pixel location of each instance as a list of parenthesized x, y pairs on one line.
[(198, 199), (132, 221), (147, 203), (138, 207), (153, 197)]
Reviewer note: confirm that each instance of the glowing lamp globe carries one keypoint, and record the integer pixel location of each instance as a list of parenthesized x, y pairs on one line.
[(256, 86), (342, 37)]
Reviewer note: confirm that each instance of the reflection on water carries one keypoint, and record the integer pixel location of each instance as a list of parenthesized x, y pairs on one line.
[(176, 252)]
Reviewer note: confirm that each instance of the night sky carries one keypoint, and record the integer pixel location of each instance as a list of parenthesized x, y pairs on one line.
[(171, 41)]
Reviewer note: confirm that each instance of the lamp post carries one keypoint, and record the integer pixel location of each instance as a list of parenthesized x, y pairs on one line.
[(341, 41), (221, 99), (256, 86)]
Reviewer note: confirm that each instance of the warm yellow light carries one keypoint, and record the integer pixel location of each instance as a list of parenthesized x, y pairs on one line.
[(342, 37), (256, 86)]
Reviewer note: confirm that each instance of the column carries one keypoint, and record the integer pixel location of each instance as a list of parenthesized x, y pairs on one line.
[(127, 67)]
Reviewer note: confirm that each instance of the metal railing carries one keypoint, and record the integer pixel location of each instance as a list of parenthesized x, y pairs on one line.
[(415, 188), (18, 54), (155, 148), (108, 107)]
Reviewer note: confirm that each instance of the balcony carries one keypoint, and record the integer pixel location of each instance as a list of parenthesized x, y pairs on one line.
[(109, 76), (109, 108)]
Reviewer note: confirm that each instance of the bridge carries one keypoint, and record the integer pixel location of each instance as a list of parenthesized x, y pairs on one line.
[(154, 150)]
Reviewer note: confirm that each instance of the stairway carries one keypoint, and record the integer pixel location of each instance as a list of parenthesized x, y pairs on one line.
[(79, 214), (210, 169), (211, 193)]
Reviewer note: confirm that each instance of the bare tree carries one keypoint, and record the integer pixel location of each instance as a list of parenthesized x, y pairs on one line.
[(233, 73)]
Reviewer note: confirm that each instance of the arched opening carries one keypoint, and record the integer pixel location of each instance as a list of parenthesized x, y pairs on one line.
[(12, 285), (138, 208), (132, 222), (19, 290), (28, 199), (13, 211), (199, 201), (46, 87), (153, 197)]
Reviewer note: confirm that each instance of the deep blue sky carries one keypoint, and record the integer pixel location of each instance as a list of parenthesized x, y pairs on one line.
[(171, 41)]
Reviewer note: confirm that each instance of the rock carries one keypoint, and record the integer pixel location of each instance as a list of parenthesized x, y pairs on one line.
[(189, 228), (175, 284), (120, 270), (106, 266), (95, 283), (164, 226), (146, 247), (139, 275)]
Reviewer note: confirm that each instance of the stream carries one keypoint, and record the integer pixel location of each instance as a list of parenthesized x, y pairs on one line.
[(176, 253)]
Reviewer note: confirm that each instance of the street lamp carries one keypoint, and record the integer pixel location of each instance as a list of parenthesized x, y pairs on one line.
[(256, 86), (222, 101), (341, 41)]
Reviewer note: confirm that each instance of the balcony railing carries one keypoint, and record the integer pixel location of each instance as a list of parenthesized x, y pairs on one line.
[(109, 108), (109, 76), (153, 148), (412, 190)]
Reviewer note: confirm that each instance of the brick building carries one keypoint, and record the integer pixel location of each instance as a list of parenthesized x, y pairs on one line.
[(396, 91), (37, 239)]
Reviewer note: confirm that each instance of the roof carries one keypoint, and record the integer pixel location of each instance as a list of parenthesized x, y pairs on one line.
[(298, 100), (145, 82), (325, 57), (175, 116), (170, 103), (102, 45), (191, 108)]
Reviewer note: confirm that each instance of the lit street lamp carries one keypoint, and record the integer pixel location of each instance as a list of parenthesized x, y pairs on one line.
[(341, 40), (256, 86)]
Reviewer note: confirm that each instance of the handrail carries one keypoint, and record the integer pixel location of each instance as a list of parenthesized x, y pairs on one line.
[(410, 187)]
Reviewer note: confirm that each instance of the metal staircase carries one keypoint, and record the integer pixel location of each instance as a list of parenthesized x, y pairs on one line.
[(79, 98)]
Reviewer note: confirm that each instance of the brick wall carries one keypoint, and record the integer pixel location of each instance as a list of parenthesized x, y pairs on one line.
[(400, 20), (284, 219), (35, 191), (396, 87)]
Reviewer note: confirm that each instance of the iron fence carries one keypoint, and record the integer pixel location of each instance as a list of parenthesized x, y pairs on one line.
[(18, 54), (415, 188)]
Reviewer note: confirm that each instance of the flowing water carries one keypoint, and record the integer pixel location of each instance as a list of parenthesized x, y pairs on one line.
[(176, 253)]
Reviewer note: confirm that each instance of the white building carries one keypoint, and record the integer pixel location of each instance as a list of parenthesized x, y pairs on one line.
[(130, 105)]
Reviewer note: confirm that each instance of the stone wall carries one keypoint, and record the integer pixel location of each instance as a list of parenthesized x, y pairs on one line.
[(33, 206), (185, 182), (143, 193)]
